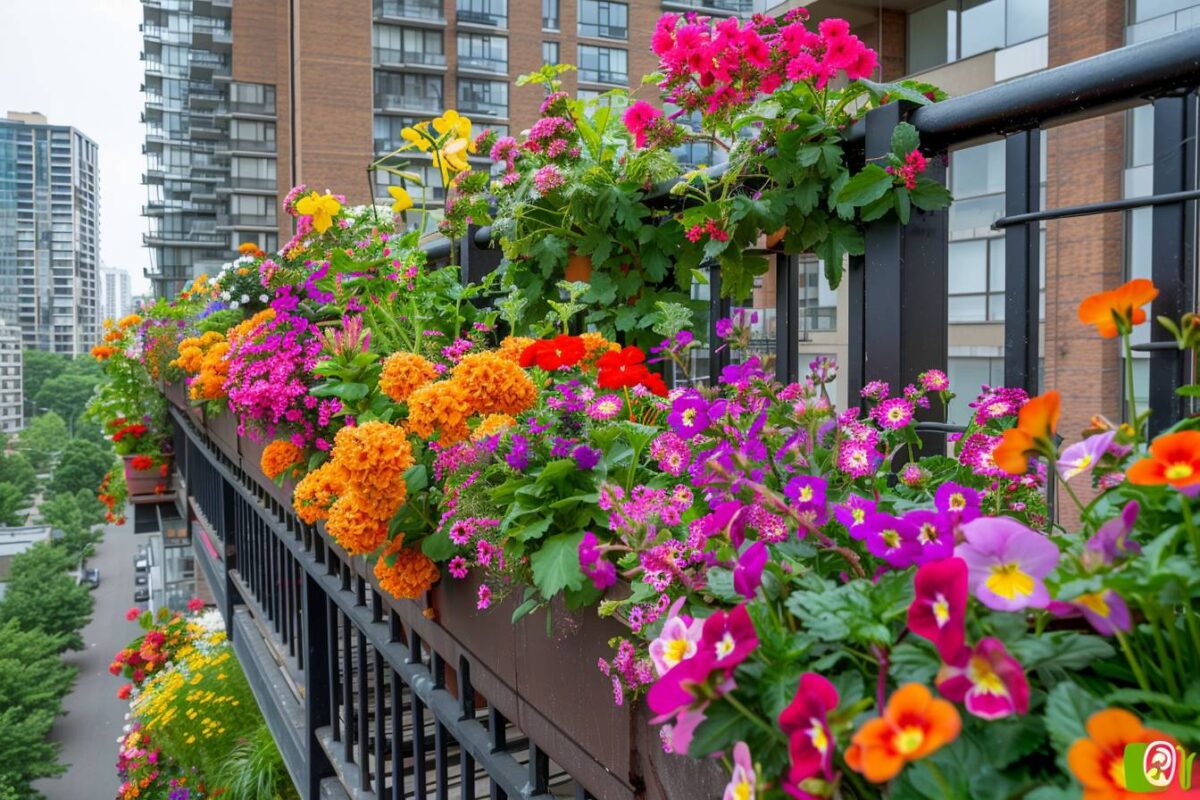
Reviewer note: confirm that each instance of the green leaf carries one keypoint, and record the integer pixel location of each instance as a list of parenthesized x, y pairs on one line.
[(904, 140), (556, 564), (865, 187), (877, 208), (416, 479), (722, 727), (1192, 390), (524, 609), (913, 663), (550, 253), (894, 91), (349, 392), (1067, 710), (438, 546), (903, 205), (929, 195), (1061, 651), (530, 530)]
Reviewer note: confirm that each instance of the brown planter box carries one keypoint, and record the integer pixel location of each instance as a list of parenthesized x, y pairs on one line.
[(251, 455), (222, 429), (143, 482), (177, 394), (674, 777)]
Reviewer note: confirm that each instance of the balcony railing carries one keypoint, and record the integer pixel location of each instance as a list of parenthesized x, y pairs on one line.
[(392, 56), (409, 9), (743, 7), (477, 16), (488, 64), (252, 145), (405, 102), (604, 76), (477, 106), (603, 31)]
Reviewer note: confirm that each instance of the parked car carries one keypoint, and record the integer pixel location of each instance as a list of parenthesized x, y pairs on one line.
[(140, 579), (90, 578), (141, 594), (141, 564)]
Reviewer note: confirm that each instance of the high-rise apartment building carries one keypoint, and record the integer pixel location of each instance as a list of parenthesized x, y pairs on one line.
[(247, 98), (115, 292), (49, 233), (12, 386)]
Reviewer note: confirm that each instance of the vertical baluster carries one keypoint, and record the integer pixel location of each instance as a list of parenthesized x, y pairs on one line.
[(418, 715), (440, 746), (466, 705), (1022, 260), (364, 722), (539, 770), (333, 667), (498, 733), (347, 690), (397, 736)]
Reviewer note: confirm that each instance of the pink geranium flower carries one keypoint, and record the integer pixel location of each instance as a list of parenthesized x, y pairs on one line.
[(939, 606), (987, 679), (1006, 563)]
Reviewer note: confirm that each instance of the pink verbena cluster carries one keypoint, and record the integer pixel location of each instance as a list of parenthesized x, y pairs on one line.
[(628, 670), (914, 165), (267, 383), (717, 66)]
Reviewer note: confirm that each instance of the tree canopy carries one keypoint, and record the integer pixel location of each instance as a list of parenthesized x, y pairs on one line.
[(43, 438), (41, 595), (66, 394), (81, 466)]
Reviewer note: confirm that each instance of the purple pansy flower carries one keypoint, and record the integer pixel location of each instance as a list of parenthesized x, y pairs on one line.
[(1105, 610), (689, 415), (807, 493), (892, 539), (1083, 456), (1006, 563), (935, 534), (853, 514), (747, 574)]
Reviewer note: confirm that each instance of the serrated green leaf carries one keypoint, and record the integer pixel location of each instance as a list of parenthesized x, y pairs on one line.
[(723, 726), (867, 186), (904, 140), (929, 195), (1067, 710), (556, 564)]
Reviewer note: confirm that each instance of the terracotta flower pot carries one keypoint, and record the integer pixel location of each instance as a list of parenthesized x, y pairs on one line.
[(774, 239), (145, 481), (579, 268)]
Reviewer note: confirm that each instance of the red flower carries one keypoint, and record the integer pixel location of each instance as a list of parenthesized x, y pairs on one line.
[(125, 691), (552, 354), (141, 463), (939, 606), (654, 382), (195, 604), (133, 613)]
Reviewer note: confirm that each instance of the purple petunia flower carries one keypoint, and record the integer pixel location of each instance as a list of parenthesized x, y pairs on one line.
[(935, 534), (1006, 563), (807, 493), (960, 502), (689, 415), (853, 514)]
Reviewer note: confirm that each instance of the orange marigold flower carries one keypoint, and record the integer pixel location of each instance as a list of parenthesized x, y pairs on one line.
[(914, 725), (1033, 435), (410, 572), (112, 336), (491, 425), (209, 383), (355, 525), (317, 491), (102, 352), (404, 373), (594, 346), (1118, 310), (1174, 458), (495, 385), (278, 456), (129, 321), (247, 327), (1098, 761), (512, 347), (441, 408), (373, 454)]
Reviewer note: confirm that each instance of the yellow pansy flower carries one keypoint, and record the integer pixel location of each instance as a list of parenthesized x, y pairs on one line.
[(322, 209), (403, 199), (417, 136)]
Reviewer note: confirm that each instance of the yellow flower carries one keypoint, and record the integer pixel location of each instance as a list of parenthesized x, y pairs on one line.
[(417, 136), (403, 199), (453, 122), (322, 209)]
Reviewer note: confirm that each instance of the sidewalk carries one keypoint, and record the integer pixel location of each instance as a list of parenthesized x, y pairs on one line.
[(94, 715)]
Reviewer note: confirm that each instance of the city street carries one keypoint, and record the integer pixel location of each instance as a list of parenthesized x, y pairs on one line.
[(94, 717)]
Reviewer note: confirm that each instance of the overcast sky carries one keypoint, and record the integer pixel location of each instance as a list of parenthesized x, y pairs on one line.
[(76, 61)]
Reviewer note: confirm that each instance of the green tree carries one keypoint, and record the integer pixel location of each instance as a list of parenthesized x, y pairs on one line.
[(66, 394), (37, 367), (76, 515), (17, 470), (41, 595), (12, 503), (89, 430), (81, 466), (43, 438)]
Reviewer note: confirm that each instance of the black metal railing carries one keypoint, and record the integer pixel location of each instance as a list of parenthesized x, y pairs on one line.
[(359, 704)]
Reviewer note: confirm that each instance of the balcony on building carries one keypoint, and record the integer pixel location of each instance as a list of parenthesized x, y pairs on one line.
[(204, 100), (486, 65), (212, 8), (722, 7), (151, 31), (251, 222), (392, 58), (483, 13), (207, 36), (206, 67), (596, 31), (427, 11)]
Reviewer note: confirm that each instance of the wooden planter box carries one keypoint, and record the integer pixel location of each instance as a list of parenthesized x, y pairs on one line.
[(145, 482), (177, 395), (222, 429)]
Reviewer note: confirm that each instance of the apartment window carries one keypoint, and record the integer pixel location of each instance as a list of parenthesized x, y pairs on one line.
[(550, 15), (429, 190), (549, 52), (483, 12), (952, 29), (387, 132), (401, 91), (483, 97), (818, 303), (482, 52), (252, 173), (251, 134), (256, 96), (603, 19), (253, 206), (396, 45), (967, 376), (603, 65)]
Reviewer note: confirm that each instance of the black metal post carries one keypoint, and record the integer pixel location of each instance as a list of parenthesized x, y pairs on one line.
[(787, 318), (904, 280), (856, 333), (1173, 252), (718, 308), (1022, 260), (317, 700)]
